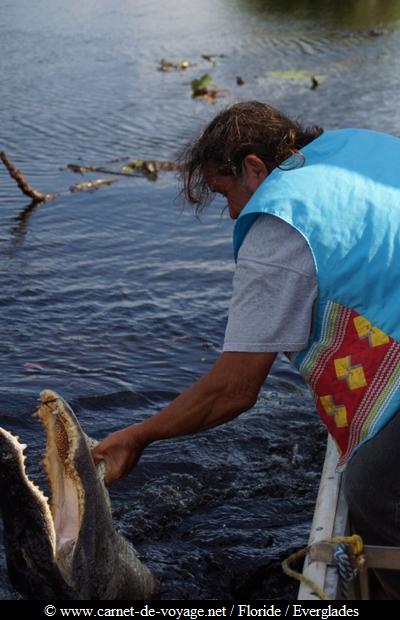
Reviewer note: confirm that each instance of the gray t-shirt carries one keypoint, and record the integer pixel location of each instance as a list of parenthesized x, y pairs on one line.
[(274, 290)]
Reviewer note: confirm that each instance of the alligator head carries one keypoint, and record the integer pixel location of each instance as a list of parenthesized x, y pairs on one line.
[(68, 549)]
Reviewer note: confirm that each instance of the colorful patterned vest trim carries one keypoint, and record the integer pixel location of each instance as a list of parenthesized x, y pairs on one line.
[(345, 201)]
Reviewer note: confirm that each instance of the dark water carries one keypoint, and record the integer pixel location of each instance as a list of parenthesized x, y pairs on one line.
[(118, 298)]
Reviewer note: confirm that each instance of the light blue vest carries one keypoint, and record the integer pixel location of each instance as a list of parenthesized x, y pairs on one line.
[(345, 201)]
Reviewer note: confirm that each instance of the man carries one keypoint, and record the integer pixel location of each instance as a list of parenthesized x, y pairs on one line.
[(317, 244)]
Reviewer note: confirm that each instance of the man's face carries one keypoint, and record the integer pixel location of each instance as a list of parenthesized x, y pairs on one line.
[(237, 190)]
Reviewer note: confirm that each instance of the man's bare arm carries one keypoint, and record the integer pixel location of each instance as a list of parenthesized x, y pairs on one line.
[(228, 389)]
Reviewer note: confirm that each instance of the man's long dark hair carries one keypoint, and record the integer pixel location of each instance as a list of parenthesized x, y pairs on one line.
[(241, 129)]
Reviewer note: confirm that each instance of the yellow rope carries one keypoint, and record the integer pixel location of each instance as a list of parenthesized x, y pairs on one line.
[(355, 543), (302, 578)]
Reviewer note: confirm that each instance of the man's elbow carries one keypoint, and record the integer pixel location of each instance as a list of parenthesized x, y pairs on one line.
[(236, 379), (238, 404), (249, 402)]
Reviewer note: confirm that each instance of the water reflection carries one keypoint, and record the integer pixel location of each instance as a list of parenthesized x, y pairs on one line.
[(353, 14)]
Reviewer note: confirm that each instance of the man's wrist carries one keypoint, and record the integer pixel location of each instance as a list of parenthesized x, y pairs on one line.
[(141, 433)]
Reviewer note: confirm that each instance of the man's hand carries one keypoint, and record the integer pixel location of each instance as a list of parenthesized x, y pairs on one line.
[(120, 451)]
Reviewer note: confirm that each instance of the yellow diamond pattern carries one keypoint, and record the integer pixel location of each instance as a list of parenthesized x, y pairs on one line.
[(365, 329), (354, 375), (339, 412)]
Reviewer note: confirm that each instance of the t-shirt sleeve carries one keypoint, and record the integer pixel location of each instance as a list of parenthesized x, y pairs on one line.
[(274, 290)]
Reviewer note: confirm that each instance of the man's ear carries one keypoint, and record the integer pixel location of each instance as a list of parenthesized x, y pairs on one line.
[(254, 168)]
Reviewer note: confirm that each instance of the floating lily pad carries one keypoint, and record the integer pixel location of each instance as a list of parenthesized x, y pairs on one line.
[(201, 85), (201, 88), (292, 74)]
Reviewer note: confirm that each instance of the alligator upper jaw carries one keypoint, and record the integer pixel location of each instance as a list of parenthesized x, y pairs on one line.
[(67, 494)]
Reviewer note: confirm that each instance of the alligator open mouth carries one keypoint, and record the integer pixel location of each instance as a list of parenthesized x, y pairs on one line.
[(67, 503), (66, 547)]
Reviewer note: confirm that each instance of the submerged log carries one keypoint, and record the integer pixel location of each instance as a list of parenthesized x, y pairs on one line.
[(22, 183)]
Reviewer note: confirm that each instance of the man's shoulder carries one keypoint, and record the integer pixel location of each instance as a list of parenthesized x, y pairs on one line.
[(272, 241)]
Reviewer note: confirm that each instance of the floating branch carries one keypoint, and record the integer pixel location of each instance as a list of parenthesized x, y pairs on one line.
[(144, 167), (38, 197), (78, 168), (90, 185), (181, 65), (147, 168), (212, 57), (150, 167), (22, 183)]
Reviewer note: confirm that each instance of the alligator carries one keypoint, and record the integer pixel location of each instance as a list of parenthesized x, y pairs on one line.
[(66, 548)]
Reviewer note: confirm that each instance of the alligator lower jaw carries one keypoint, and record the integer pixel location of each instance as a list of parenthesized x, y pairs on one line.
[(27, 488), (61, 513), (65, 512)]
